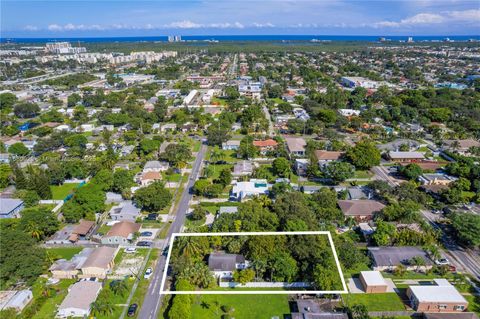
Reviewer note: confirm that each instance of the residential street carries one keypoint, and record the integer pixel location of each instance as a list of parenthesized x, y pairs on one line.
[(463, 259), (153, 298)]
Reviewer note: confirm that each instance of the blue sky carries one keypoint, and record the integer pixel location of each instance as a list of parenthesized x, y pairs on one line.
[(69, 18)]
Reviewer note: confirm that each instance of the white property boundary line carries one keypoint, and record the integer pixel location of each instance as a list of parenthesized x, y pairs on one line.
[(253, 292)]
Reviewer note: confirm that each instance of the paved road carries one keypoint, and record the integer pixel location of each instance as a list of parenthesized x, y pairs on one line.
[(271, 131), (382, 174), (463, 259), (153, 298)]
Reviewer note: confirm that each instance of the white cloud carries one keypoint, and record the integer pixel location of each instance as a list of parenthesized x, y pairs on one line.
[(55, 27), (472, 16), (30, 28), (263, 25), (466, 15), (185, 24), (423, 18)]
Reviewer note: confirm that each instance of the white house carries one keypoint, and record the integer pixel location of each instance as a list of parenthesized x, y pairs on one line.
[(231, 145), (357, 81), (223, 265), (254, 187), (349, 112)]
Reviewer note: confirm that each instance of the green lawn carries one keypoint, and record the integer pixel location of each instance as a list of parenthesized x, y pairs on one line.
[(61, 191), (216, 100), (172, 178), (216, 169), (362, 174), (49, 308), (376, 302), (196, 146), (276, 100), (104, 229), (246, 306), (64, 252), (117, 300)]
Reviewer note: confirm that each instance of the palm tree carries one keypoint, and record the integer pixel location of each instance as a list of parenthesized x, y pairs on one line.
[(264, 200), (97, 307), (34, 230), (107, 307), (216, 155), (119, 287), (260, 267), (50, 257), (433, 251), (190, 247), (102, 306)]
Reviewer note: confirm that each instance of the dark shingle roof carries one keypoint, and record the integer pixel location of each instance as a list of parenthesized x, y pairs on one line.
[(224, 262), (393, 256)]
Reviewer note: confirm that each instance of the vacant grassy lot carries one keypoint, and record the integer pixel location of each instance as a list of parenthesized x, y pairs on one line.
[(376, 302), (61, 191), (64, 252), (49, 308), (245, 306), (362, 174)]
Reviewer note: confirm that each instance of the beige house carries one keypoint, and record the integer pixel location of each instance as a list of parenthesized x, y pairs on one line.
[(373, 282), (100, 263), (148, 178), (360, 209), (69, 269), (78, 302)]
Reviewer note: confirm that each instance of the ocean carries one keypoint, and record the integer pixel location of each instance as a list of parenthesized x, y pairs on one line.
[(233, 38)]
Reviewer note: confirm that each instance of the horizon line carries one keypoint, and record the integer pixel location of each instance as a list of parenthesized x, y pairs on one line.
[(238, 35)]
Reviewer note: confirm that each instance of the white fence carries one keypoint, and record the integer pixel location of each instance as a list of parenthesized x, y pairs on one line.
[(266, 284)]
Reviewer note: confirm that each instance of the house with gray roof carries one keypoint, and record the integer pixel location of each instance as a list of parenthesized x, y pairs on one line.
[(243, 168), (388, 258), (155, 166), (227, 210), (15, 299), (223, 265), (126, 210), (10, 207)]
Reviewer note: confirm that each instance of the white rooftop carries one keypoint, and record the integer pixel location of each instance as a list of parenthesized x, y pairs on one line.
[(373, 278), (437, 294)]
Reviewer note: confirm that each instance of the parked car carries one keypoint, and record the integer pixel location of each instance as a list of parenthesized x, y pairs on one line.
[(130, 250), (148, 273), (144, 244), (132, 310), (151, 216), (165, 251), (146, 234), (442, 261)]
